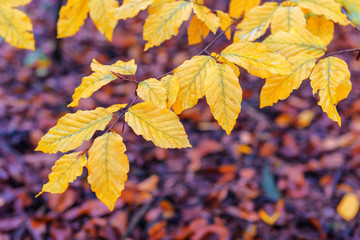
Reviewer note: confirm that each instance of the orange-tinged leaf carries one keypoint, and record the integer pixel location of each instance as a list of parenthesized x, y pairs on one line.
[(285, 18), (73, 129), (71, 17), (296, 42), (191, 75), (238, 7), (210, 19), (108, 167), (321, 27), (255, 23), (328, 8), (165, 23), (120, 67), (159, 125), (102, 12), (131, 8), (15, 26), (65, 171), (348, 206), (223, 95), (280, 87), (257, 59), (171, 84), (197, 31), (331, 79), (225, 22), (152, 90), (116, 107)]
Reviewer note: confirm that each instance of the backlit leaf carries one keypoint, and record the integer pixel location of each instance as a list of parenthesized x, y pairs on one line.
[(348, 206), (15, 26), (71, 17), (223, 95), (239, 7), (331, 79), (157, 4), (73, 129), (102, 12), (210, 19), (255, 23), (280, 87), (257, 59), (116, 107), (159, 125), (225, 22), (152, 90), (197, 31), (131, 8), (296, 42), (328, 8), (171, 84), (191, 75), (287, 17), (321, 27), (165, 23), (120, 67), (65, 171), (108, 167)]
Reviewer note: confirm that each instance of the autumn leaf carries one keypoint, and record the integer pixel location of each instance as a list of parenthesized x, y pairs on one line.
[(152, 90), (15, 26), (257, 59), (102, 12), (225, 22), (165, 23), (321, 27), (331, 79), (192, 74), (287, 17), (120, 67), (157, 4), (223, 95), (255, 23), (210, 19), (131, 8), (197, 31), (71, 17), (171, 84), (159, 125), (348, 206), (238, 7), (353, 8), (65, 171), (108, 167), (73, 129)]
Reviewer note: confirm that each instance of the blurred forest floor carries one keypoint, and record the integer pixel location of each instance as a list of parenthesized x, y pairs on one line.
[(215, 190)]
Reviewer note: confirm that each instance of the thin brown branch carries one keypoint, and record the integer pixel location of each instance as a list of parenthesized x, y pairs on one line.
[(123, 78), (342, 52), (356, 26)]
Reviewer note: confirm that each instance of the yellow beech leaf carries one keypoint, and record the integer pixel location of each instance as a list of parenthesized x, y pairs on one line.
[(328, 8), (157, 4), (255, 23), (152, 90), (221, 59), (89, 85), (15, 25), (225, 22), (353, 8), (165, 23), (286, 18), (73, 129), (223, 95), (257, 59), (108, 167), (65, 171), (321, 27), (102, 12), (197, 31), (116, 107), (171, 84), (348, 206), (120, 67), (210, 19), (191, 75), (296, 42), (280, 87), (159, 125), (71, 17), (239, 7), (331, 78), (131, 8)]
